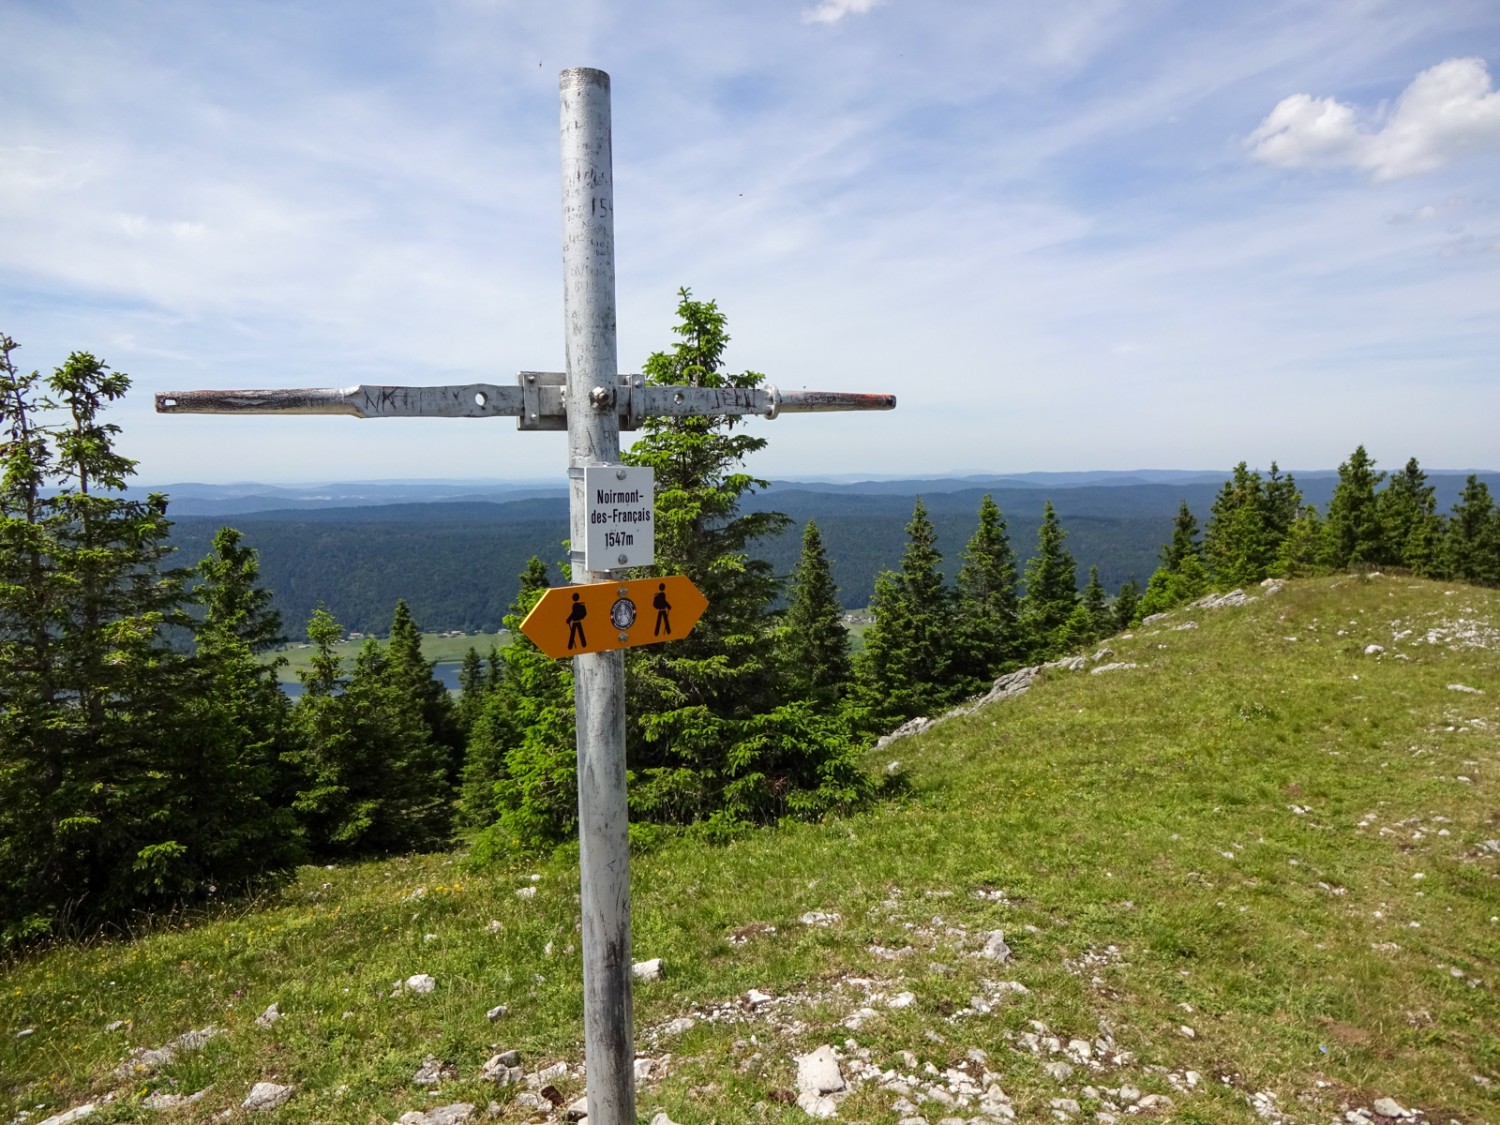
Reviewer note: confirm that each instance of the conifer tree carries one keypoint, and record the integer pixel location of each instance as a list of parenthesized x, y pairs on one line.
[(374, 781), (988, 605), (907, 666), (813, 640), (473, 685), (1184, 541), (1095, 604), (1410, 526), (1051, 589), (408, 672), (1353, 536), (1303, 552), (1126, 602), (1471, 547), (92, 695), (1237, 545)]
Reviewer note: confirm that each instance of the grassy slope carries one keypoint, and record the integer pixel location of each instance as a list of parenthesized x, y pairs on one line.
[(1139, 828)]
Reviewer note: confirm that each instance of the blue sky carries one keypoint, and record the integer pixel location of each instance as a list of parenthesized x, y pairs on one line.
[(1080, 235)]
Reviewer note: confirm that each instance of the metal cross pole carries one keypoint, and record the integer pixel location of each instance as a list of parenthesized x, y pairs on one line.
[(594, 403)]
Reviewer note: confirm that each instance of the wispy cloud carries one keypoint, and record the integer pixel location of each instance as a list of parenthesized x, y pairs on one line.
[(831, 11), (1449, 111)]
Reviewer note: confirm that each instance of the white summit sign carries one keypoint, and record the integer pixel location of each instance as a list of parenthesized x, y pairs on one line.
[(621, 509)]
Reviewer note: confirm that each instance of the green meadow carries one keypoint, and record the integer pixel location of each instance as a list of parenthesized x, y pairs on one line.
[(1246, 864)]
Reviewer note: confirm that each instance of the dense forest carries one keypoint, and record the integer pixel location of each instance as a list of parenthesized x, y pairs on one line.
[(148, 758)]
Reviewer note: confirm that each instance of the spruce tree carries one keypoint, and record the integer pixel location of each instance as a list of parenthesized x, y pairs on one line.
[(1051, 589), (1240, 543), (987, 610), (1184, 541), (1353, 536), (813, 640), (1410, 526), (1303, 552), (409, 673), (907, 667), (1095, 604), (1126, 602), (1471, 546), (92, 694)]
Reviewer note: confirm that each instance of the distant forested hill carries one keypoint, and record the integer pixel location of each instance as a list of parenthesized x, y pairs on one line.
[(455, 561)]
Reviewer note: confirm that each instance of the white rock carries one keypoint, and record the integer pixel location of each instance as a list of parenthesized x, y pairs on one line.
[(662, 1119), (643, 1069), (266, 1095), (269, 1016), (1058, 1070), (1466, 688), (1187, 1032), (901, 1000), (1154, 1101), (421, 983), (818, 1072), (1388, 1107), (679, 1025), (819, 918), (815, 1105), (455, 1114), (755, 997), (1373, 650), (995, 948), (647, 970), (578, 1110), (1118, 666), (496, 1012), (855, 1020), (77, 1113)]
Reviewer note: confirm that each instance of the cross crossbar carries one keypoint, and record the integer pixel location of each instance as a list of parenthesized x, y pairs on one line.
[(538, 401)]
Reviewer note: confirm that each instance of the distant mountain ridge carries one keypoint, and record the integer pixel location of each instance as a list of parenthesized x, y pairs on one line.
[(452, 550)]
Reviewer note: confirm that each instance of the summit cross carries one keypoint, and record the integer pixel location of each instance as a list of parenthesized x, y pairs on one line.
[(593, 402)]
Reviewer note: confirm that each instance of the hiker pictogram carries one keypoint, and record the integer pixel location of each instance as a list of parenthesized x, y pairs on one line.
[(556, 623), (575, 624), (663, 607)]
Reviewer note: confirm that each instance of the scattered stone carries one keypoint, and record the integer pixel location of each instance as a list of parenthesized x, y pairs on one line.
[(77, 1113), (526, 892), (643, 1069), (269, 1016), (743, 935), (1068, 663), (818, 1072), (578, 1110), (755, 997), (1466, 688), (266, 1095), (1153, 1101), (25, 1032), (495, 1013), (1184, 627), (680, 1025), (1373, 650), (647, 970), (1119, 666), (172, 1101), (1065, 1105), (1187, 1032), (1058, 1070), (433, 1071), (503, 1069), (1389, 1107), (455, 1114), (819, 918), (142, 1059), (901, 1000), (421, 983), (116, 1025), (544, 1077), (662, 1119), (1223, 601), (995, 948), (494, 926)]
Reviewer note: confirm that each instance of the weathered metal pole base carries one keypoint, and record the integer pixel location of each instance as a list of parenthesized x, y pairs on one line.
[(598, 678)]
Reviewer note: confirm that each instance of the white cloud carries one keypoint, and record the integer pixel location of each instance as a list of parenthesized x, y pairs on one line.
[(1449, 110), (831, 11)]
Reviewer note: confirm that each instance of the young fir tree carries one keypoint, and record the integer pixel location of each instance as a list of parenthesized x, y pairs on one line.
[(1410, 526), (520, 770), (1051, 589), (709, 737), (234, 814), (907, 667), (473, 686), (1126, 601), (1471, 546), (987, 609), (1095, 604), (1240, 543), (1353, 536), (92, 695), (373, 779), (1303, 552), (1182, 575), (407, 671), (813, 641)]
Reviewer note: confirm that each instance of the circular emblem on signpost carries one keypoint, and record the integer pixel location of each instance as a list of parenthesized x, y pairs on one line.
[(622, 613)]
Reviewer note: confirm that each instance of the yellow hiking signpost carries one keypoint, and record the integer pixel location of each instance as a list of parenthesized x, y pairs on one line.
[(600, 616)]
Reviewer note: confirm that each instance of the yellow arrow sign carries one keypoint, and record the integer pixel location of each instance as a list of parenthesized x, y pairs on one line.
[(573, 620)]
